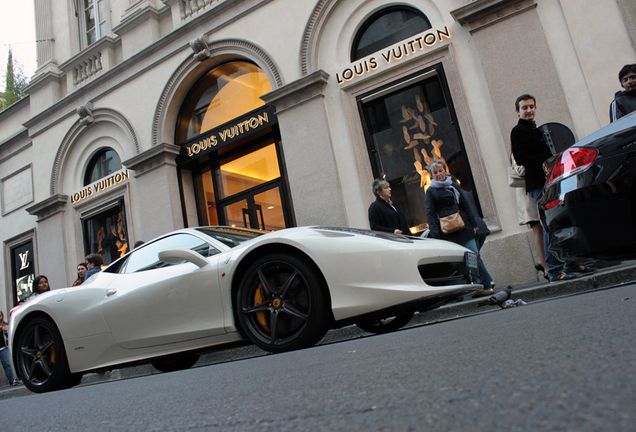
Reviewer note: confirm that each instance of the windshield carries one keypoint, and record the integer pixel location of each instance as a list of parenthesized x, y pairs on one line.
[(231, 237)]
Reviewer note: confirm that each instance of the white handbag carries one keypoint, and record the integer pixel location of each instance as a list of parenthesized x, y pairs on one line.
[(516, 174)]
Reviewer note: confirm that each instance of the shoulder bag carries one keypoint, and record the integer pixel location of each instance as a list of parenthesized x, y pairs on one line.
[(516, 174), (451, 223)]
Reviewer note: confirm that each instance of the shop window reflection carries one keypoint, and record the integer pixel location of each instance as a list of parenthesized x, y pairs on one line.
[(408, 128), (207, 200), (271, 216), (237, 214)]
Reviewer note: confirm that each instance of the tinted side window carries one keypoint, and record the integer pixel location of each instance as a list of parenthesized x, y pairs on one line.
[(147, 256)]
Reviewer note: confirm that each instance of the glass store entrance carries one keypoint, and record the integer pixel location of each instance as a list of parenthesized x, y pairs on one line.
[(243, 190), (231, 144)]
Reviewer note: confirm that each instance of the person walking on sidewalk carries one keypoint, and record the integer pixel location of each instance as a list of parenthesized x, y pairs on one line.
[(5, 356), (530, 150), (444, 198)]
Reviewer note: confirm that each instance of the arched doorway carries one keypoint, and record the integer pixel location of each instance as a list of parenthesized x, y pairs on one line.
[(231, 144)]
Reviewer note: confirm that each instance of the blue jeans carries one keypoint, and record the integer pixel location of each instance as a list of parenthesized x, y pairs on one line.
[(485, 280), (6, 364), (480, 239), (555, 266)]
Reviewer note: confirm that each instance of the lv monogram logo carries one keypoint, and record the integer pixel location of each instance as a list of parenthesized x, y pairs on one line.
[(24, 260)]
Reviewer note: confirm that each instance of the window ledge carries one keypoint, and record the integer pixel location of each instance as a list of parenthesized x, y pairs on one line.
[(90, 63)]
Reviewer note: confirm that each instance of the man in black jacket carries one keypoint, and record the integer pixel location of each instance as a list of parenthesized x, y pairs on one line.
[(625, 100), (530, 150), (383, 215)]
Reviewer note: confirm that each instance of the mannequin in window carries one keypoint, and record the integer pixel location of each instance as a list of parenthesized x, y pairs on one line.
[(418, 130), (101, 235), (122, 241)]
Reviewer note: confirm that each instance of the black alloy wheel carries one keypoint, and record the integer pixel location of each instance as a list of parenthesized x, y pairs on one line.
[(280, 304), (40, 358), (386, 325), (176, 362)]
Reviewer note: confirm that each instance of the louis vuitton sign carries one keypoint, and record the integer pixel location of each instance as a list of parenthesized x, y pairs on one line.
[(395, 53), (228, 133), (100, 186)]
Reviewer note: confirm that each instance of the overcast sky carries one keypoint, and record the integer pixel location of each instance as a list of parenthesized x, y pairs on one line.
[(17, 30)]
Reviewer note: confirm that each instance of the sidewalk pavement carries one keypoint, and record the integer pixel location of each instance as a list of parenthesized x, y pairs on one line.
[(609, 274)]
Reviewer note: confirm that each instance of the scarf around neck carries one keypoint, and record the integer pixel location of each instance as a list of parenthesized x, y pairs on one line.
[(446, 184)]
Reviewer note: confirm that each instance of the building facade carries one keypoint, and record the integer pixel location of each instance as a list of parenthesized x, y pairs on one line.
[(146, 116)]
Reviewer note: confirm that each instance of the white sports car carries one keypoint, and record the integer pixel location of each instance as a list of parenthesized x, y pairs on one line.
[(196, 288)]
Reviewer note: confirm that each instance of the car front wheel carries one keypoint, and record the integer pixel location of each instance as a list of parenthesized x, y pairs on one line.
[(40, 358), (280, 304)]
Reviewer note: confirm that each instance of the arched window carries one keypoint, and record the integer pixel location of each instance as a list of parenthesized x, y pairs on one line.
[(105, 162), (223, 94), (386, 28)]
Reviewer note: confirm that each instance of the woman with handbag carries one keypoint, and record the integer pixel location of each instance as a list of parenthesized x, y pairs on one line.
[(450, 218)]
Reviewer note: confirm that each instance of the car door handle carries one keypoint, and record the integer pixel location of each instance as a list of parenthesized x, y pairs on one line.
[(110, 292)]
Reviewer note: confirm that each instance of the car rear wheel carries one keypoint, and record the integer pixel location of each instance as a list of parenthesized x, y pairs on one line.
[(40, 358), (280, 304), (175, 363), (386, 325)]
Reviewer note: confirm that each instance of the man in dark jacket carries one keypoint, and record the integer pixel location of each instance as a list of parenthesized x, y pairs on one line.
[(530, 150), (383, 215), (625, 100)]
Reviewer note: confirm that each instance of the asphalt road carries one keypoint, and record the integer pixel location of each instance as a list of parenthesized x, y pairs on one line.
[(566, 364)]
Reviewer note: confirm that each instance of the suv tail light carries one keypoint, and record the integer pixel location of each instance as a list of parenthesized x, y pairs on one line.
[(572, 161)]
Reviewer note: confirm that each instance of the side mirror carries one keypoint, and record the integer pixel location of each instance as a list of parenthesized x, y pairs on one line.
[(179, 254)]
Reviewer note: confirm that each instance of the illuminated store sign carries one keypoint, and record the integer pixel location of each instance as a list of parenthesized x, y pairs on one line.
[(395, 53), (228, 133), (100, 186), (22, 271)]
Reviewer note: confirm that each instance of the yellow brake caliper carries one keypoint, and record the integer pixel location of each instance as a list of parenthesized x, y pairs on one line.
[(259, 297)]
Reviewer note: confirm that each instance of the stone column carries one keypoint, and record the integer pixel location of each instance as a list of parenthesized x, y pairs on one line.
[(43, 32), (51, 239), (308, 151)]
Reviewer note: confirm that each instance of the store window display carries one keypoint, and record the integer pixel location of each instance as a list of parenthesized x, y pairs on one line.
[(106, 235), (22, 270), (406, 129)]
